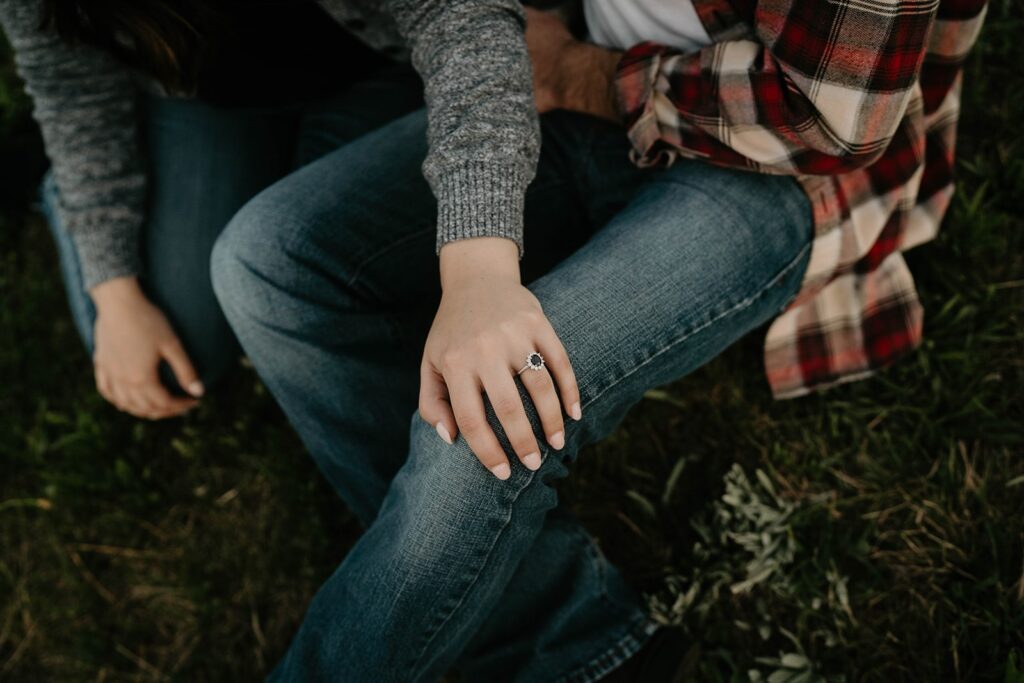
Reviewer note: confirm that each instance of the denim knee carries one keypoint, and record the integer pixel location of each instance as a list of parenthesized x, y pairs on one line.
[(450, 489), (244, 260)]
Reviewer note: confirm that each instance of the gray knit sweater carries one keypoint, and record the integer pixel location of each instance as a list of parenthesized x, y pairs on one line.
[(483, 133)]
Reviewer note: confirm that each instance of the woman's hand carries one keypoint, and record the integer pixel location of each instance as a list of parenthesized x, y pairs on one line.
[(131, 337), (486, 326)]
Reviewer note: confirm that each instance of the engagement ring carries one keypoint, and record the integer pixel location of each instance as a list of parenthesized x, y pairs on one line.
[(534, 361)]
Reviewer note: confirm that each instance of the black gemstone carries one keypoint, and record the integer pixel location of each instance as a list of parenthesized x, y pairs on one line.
[(535, 360)]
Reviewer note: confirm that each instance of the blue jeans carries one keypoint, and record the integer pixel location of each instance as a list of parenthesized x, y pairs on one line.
[(329, 279), (205, 162)]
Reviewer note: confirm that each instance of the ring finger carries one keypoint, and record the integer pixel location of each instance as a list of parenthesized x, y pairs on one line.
[(542, 392), (508, 406)]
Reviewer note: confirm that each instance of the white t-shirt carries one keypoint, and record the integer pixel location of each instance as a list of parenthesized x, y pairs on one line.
[(621, 24)]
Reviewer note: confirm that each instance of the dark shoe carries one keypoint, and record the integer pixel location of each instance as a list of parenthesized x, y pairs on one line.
[(658, 661)]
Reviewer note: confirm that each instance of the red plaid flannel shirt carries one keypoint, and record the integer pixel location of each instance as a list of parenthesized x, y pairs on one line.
[(858, 99)]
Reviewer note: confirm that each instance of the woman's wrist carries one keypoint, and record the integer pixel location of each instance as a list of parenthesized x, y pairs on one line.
[(475, 260), (116, 291)]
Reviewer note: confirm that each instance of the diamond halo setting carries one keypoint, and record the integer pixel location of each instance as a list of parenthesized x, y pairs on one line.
[(534, 361)]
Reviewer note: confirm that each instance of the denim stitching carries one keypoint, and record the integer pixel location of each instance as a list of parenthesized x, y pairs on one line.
[(623, 648), (476, 572), (741, 305)]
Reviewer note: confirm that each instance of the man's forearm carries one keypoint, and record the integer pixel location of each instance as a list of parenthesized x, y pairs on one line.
[(589, 81), (570, 74)]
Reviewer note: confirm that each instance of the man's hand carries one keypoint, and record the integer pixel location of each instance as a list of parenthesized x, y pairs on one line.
[(485, 327), (569, 74), (131, 337)]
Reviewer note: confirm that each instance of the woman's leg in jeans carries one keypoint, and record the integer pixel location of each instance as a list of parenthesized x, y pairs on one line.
[(211, 161), (697, 260), (325, 277), (83, 313), (205, 162), (330, 278)]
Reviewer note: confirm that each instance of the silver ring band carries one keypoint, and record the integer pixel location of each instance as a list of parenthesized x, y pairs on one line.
[(534, 361)]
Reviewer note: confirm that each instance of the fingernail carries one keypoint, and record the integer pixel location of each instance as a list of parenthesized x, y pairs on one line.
[(442, 432), (196, 388), (502, 471), (576, 412), (557, 440), (532, 461)]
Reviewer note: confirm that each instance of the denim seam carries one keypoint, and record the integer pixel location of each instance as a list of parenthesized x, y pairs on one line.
[(476, 573), (599, 564), (740, 306), (636, 635), (596, 561)]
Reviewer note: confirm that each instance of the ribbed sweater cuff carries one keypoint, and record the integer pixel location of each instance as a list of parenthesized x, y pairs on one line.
[(480, 200), (105, 255)]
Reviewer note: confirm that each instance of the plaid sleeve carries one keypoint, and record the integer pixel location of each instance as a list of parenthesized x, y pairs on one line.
[(818, 87)]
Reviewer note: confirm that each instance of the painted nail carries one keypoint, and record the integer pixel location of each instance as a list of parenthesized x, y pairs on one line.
[(576, 412), (557, 440), (196, 389), (532, 461), (442, 432), (502, 471)]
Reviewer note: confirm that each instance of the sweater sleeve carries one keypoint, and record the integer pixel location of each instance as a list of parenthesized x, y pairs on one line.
[(483, 131), (84, 102)]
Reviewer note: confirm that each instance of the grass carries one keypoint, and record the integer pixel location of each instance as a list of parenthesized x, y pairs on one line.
[(872, 533)]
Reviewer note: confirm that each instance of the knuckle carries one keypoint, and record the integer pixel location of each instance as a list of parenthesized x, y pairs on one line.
[(535, 317), (565, 373), (509, 328), (505, 405), (557, 359), (547, 381), (428, 409), (471, 424), (553, 421), (485, 342), (492, 456), (451, 361), (540, 385), (524, 446)]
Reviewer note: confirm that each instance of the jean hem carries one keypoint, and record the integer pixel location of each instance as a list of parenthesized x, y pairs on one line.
[(613, 657)]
